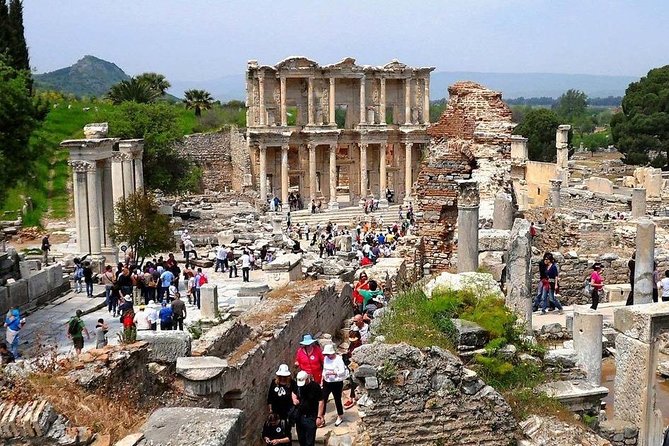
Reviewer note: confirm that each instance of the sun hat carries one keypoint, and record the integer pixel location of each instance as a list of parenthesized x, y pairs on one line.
[(302, 378), (329, 350), (307, 339), (283, 370), (127, 298)]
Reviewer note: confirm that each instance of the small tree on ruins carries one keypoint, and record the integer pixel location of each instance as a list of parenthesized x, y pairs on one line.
[(138, 224)]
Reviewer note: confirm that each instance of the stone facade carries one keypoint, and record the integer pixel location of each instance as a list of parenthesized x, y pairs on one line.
[(427, 397)]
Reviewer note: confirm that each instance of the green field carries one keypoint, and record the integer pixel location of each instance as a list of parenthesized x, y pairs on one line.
[(48, 185)]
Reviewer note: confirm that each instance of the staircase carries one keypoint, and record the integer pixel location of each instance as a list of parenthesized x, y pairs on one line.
[(347, 216)]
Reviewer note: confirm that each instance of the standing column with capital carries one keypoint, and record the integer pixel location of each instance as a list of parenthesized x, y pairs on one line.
[(261, 99), (93, 206), (363, 111), (310, 101), (284, 174), (468, 226), (383, 176), (107, 201), (79, 169), (407, 101), (284, 116), (363, 173), (333, 205), (426, 101), (331, 105), (117, 178), (408, 179), (556, 184), (382, 101), (312, 170), (263, 172)]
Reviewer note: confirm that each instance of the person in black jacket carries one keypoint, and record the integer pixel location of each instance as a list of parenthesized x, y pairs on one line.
[(280, 393), (275, 431), (309, 400), (88, 278)]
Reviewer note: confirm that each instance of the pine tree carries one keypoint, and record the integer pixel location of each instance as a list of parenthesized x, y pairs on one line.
[(4, 28), (19, 48)]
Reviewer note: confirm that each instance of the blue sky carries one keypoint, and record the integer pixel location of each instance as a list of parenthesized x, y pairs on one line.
[(207, 39)]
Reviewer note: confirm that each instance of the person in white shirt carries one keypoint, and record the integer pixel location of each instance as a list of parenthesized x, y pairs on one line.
[(221, 259), (189, 248), (334, 374), (664, 286), (246, 266), (152, 314), (360, 325), (306, 229), (141, 320)]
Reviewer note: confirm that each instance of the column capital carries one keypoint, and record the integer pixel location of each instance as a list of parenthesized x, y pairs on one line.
[(468, 194), (82, 166), (311, 146), (285, 147), (363, 145), (333, 146), (262, 146), (556, 183)]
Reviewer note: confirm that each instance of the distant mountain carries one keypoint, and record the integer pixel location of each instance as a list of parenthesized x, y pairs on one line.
[(512, 85), (90, 76)]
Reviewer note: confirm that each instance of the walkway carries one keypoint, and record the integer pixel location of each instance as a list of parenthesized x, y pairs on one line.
[(606, 309), (344, 216)]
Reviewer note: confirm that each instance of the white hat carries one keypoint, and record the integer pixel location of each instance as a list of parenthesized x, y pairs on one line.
[(302, 378), (329, 350), (127, 298), (283, 370)]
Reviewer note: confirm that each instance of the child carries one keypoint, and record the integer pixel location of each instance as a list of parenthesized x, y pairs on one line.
[(101, 330)]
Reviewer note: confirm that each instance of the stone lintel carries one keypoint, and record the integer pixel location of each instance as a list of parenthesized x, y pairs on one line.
[(200, 368), (89, 149)]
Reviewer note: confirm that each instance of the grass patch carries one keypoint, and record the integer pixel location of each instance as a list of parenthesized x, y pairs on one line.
[(526, 402)]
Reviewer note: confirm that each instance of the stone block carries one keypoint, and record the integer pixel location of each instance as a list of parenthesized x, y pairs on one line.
[(493, 239), (18, 293), (635, 321), (96, 130), (38, 285), (468, 335), (130, 440), (247, 301), (54, 276), (578, 396), (252, 289), (600, 185), (209, 301), (202, 368), (166, 346), (4, 300), (28, 268), (562, 357), (631, 380), (194, 426)]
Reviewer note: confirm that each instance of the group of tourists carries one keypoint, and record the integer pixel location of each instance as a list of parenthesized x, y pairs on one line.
[(321, 372)]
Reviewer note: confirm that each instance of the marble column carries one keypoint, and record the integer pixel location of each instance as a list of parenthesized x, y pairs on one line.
[(383, 176), (331, 105), (333, 205), (407, 101), (100, 209), (261, 99), (408, 178), (519, 290), (93, 206), (588, 326), (562, 146), (312, 171), (363, 106), (468, 226), (645, 257), (310, 101), (284, 174), (139, 173), (556, 184), (363, 173), (108, 200), (382, 101), (117, 178), (502, 217), (638, 202), (263, 172), (128, 176), (79, 177), (426, 101), (284, 115)]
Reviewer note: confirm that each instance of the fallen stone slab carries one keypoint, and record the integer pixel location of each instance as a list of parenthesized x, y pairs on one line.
[(469, 335), (201, 368), (166, 346), (562, 357), (578, 396), (252, 289), (193, 426)]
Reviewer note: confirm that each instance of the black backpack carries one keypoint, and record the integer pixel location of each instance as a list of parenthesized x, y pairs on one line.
[(73, 327)]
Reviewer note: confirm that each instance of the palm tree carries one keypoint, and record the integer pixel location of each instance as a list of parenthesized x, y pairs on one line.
[(156, 80), (198, 100), (134, 90)]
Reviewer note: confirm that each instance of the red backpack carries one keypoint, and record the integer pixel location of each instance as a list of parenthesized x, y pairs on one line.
[(203, 279)]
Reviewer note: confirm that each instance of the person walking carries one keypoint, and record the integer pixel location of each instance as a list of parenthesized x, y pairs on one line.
[(309, 401), (101, 330), (232, 265), (310, 358), (280, 394), (78, 277), (221, 259), (548, 293), (13, 324), (165, 315), (354, 342), (75, 331), (108, 280), (334, 374), (631, 265), (166, 279), (596, 283), (246, 266), (88, 279), (46, 247), (178, 313)]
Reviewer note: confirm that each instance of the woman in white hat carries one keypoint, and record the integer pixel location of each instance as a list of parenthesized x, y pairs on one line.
[(334, 374), (280, 394)]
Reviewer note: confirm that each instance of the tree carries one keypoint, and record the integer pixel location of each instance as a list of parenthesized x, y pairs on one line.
[(133, 90), (572, 104), (157, 81), (18, 118), (539, 126), (643, 124), (158, 125), (198, 100), (139, 225)]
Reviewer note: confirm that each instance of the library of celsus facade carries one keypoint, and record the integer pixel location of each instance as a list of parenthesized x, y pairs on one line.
[(340, 133)]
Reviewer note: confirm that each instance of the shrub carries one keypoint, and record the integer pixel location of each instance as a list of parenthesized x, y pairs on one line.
[(503, 375), (491, 314)]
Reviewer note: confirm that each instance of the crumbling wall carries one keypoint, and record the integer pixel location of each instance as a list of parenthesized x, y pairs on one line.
[(427, 397)]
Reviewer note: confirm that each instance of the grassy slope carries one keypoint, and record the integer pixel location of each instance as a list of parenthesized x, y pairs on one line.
[(48, 187)]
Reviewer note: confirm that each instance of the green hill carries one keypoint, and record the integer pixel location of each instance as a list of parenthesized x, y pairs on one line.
[(90, 76)]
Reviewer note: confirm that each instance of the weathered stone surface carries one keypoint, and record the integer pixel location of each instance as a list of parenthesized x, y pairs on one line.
[(193, 426), (493, 239), (635, 321), (588, 345), (562, 357), (200, 368), (209, 301), (550, 431), (645, 257), (430, 398), (251, 289), (518, 284), (166, 346), (578, 396), (469, 336), (631, 382), (96, 130), (130, 440), (503, 213)]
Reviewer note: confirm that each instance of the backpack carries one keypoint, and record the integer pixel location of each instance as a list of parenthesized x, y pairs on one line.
[(73, 326), (587, 287), (78, 273), (203, 279)]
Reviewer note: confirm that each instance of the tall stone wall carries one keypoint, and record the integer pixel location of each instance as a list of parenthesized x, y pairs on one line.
[(223, 157), (427, 397)]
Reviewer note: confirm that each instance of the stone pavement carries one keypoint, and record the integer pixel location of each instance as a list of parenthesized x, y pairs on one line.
[(606, 309)]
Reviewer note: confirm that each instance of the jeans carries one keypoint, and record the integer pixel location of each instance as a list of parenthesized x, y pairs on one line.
[(108, 295), (233, 266), (245, 274), (306, 431), (165, 325), (335, 388), (89, 289), (14, 346), (220, 264), (161, 293), (77, 285), (549, 295), (196, 297)]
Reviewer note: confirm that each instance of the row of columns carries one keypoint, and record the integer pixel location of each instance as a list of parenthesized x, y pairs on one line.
[(331, 101), (364, 193)]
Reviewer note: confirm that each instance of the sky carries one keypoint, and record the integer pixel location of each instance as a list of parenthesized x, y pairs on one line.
[(209, 39)]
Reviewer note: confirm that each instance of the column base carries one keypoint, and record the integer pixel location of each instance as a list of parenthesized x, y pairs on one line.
[(333, 206), (383, 203)]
